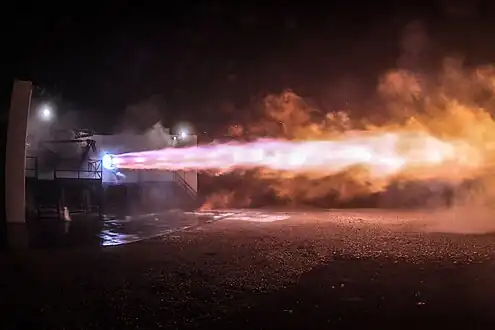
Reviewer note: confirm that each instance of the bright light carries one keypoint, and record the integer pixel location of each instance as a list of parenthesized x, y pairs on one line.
[(46, 113), (107, 161), (183, 130)]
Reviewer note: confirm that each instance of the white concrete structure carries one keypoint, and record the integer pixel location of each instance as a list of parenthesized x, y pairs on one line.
[(15, 199)]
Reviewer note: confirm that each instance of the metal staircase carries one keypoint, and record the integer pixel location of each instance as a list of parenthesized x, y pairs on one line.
[(186, 194)]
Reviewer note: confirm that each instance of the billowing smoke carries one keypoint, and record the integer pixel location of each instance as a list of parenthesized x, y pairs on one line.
[(453, 103), (55, 125), (414, 45), (141, 116), (143, 121), (145, 118)]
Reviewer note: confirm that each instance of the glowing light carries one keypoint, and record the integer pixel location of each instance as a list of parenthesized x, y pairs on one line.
[(107, 162), (46, 113), (382, 154), (183, 134)]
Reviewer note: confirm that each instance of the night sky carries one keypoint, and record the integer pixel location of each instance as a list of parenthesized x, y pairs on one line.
[(203, 63)]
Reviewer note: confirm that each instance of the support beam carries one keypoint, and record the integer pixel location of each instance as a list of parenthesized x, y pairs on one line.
[(15, 195), (3, 220)]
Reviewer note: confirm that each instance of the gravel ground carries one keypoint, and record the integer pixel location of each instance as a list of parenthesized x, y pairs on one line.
[(312, 270)]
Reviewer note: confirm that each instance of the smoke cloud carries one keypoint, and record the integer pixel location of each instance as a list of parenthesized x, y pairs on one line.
[(59, 126), (145, 118), (141, 116), (452, 102)]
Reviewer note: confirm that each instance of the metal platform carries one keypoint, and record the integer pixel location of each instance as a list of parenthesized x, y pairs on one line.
[(91, 170), (50, 190)]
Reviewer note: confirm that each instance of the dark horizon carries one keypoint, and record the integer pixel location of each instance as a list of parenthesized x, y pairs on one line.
[(205, 63)]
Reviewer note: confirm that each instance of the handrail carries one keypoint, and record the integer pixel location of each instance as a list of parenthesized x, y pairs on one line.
[(94, 168), (187, 187), (190, 190)]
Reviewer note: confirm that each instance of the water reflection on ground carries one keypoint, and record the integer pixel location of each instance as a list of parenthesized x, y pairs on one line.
[(243, 215), (84, 230), (114, 230), (131, 229)]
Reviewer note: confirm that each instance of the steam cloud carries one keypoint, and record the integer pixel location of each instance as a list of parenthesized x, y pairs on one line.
[(145, 118), (39, 131)]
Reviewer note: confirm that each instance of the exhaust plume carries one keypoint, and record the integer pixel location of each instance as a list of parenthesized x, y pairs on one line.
[(435, 130)]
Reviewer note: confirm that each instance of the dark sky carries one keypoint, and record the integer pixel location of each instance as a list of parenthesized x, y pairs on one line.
[(199, 56)]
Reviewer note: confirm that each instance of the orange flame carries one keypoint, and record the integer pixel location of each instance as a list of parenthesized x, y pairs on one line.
[(428, 127)]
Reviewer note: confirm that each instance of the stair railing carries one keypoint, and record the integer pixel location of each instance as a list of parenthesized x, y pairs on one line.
[(190, 191)]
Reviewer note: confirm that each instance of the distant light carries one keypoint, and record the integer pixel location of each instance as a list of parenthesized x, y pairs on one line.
[(46, 113), (183, 130)]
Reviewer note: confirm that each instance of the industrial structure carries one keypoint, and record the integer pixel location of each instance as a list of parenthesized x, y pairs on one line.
[(73, 180), (145, 191), (60, 175)]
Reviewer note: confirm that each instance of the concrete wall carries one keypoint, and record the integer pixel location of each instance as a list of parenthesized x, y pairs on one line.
[(16, 152)]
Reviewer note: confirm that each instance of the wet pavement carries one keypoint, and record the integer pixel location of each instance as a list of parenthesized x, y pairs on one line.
[(91, 230), (84, 230), (132, 229)]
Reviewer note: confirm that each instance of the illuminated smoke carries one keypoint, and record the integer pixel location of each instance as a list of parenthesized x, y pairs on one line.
[(420, 132)]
